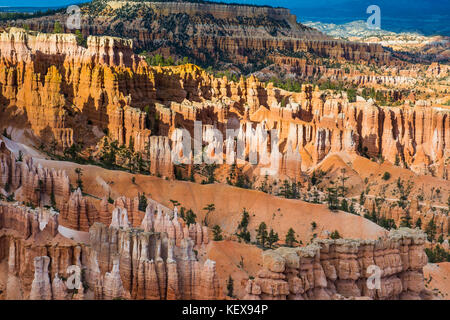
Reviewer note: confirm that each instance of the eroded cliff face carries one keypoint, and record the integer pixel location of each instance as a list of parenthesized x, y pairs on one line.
[(69, 94), (341, 269), (117, 262), (207, 32)]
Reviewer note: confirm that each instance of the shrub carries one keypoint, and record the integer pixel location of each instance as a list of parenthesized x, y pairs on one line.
[(386, 176)]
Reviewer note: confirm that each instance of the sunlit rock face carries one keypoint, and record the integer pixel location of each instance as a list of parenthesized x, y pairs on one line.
[(344, 269), (58, 86)]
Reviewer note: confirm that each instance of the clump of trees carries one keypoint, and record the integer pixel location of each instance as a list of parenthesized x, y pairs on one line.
[(264, 238), (437, 254), (290, 190)]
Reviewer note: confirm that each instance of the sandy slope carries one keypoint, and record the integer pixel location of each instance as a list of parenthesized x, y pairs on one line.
[(278, 213), (437, 278)]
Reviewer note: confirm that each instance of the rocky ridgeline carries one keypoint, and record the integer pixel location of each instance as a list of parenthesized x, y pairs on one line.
[(339, 269), (307, 69), (210, 32)]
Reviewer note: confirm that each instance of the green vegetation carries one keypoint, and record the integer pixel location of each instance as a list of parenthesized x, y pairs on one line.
[(159, 60), (290, 238), (290, 190), (142, 202), (335, 235), (79, 181), (430, 230), (272, 238), (217, 233), (190, 217), (81, 40), (57, 28), (242, 231), (438, 254), (386, 176), (230, 286), (262, 234), (209, 208), (332, 199)]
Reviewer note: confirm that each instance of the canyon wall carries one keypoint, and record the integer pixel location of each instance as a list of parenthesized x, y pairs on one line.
[(75, 94), (118, 262)]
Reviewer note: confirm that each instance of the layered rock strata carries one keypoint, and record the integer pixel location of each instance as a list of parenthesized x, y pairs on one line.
[(388, 268), (118, 263), (123, 97)]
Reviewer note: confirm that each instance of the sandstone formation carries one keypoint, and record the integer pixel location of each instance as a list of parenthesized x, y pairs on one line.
[(32, 183), (123, 263), (121, 96), (328, 269)]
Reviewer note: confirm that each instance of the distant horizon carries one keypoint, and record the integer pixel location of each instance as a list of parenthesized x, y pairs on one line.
[(427, 17)]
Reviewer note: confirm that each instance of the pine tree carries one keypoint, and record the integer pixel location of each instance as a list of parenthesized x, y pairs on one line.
[(261, 234), (406, 221), (419, 223), (142, 202), (217, 233), (290, 238), (335, 235), (430, 230), (342, 188), (190, 217), (332, 199), (242, 231), (79, 173), (272, 238), (230, 286), (209, 208), (57, 28)]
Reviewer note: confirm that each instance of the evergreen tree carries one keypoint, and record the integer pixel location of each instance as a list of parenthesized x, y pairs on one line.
[(332, 199), (217, 233), (79, 173), (419, 223), (335, 235), (190, 217), (430, 230), (285, 190), (344, 205), (290, 238), (242, 231), (406, 221), (261, 234), (209, 208), (272, 238), (57, 28), (342, 188), (142, 202), (230, 286)]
